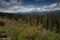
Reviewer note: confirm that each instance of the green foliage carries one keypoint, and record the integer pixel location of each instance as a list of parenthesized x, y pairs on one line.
[(31, 27), (1, 23), (2, 31)]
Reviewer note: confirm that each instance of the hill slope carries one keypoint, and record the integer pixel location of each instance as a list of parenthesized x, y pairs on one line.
[(30, 27)]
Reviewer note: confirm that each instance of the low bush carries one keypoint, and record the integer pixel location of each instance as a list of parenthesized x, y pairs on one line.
[(1, 23)]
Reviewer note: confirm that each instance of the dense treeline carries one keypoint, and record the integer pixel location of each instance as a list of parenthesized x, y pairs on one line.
[(48, 21)]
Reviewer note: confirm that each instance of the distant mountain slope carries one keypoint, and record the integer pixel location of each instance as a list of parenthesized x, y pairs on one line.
[(42, 13), (55, 12)]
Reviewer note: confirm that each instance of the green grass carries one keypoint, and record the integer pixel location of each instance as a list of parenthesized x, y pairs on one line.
[(25, 31)]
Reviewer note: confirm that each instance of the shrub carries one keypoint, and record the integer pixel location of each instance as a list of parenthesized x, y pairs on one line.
[(1, 23)]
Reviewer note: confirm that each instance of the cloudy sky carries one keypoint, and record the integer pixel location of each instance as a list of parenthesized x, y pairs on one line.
[(14, 6)]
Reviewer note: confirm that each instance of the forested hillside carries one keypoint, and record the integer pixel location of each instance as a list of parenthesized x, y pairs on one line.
[(30, 27)]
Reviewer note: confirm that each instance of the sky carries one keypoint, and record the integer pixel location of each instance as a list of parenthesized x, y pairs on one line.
[(15, 6)]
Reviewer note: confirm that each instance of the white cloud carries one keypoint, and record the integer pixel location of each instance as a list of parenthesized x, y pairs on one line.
[(52, 7), (14, 7)]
